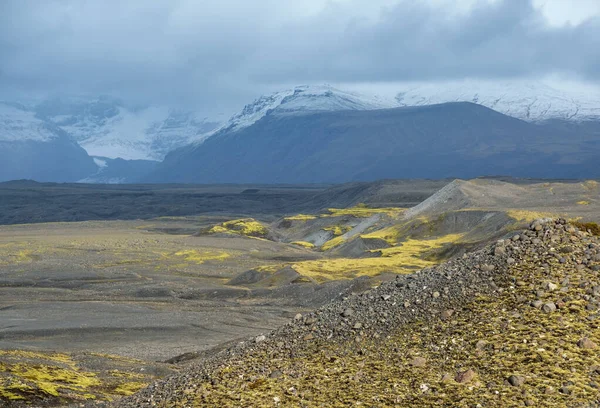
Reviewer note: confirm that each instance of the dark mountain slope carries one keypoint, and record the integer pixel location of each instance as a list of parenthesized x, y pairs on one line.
[(446, 140), (58, 158)]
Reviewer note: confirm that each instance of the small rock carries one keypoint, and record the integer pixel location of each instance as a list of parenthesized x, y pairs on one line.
[(357, 326), (386, 297), (537, 304), (487, 268), (516, 380), (549, 307), (275, 374), (564, 390), (260, 338), (446, 314), (480, 344), (298, 316), (309, 336), (465, 376), (436, 294), (348, 312), (499, 250), (418, 362), (551, 286), (446, 378), (586, 343), (511, 261)]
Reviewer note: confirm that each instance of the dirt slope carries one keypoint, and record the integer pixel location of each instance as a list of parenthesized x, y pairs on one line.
[(514, 324)]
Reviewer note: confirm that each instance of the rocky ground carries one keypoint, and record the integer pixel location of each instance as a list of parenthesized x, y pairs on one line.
[(514, 324)]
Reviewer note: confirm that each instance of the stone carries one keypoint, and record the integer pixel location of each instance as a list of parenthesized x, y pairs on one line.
[(537, 304), (516, 380), (586, 343), (357, 326), (511, 261), (260, 339), (276, 374), (436, 294), (298, 316), (446, 314), (309, 336), (446, 378), (549, 307), (348, 312), (465, 376), (418, 362)]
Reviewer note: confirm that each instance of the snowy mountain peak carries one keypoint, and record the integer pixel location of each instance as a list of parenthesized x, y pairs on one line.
[(305, 98), (106, 127), (527, 100), (18, 123)]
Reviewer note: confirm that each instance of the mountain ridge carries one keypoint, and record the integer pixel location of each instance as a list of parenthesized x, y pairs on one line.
[(458, 139)]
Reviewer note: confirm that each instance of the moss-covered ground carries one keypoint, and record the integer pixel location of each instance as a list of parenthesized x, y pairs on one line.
[(248, 227), (406, 257), (57, 379), (496, 336)]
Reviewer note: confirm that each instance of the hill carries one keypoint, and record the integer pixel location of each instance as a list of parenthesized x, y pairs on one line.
[(510, 325), (454, 139)]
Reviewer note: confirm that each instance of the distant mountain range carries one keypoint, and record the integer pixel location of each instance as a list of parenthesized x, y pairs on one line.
[(311, 134), (458, 139)]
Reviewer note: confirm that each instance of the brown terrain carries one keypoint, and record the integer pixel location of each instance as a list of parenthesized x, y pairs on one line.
[(95, 310)]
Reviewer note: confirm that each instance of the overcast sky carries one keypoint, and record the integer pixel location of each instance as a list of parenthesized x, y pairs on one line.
[(217, 54)]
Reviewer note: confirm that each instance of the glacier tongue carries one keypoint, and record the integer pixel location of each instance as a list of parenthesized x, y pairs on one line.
[(107, 128)]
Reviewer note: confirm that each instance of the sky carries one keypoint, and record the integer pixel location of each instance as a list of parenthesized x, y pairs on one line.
[(217, 55)]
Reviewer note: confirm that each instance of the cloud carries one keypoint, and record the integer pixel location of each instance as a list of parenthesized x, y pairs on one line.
[(219, 53)]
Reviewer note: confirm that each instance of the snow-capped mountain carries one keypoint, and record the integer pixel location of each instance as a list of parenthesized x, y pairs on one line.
[(527, 100), (31, 148), (105, 127), (305, 99), (17, 123)]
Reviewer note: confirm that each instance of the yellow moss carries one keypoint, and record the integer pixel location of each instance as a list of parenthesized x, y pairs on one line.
[(590, 184), (269, 268), (129, 388), (406, 258), (415, 247), (199, 257), (332, 243), (528, 216), (338, 229), (495, 335), (362, 211), (35, 376), (301, 217), (304, 244), (55, 357), (393, 234), (48, 379), (583, 202), (247, 227), (24, 255)]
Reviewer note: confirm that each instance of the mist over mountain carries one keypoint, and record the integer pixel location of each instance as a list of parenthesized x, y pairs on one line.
[(281, 137)]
